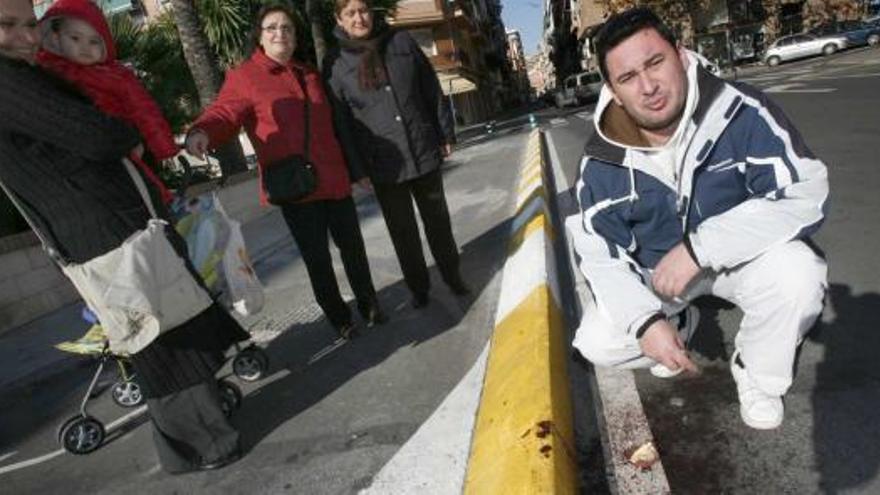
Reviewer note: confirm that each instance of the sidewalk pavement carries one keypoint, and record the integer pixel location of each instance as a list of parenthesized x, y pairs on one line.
[(28, 355)]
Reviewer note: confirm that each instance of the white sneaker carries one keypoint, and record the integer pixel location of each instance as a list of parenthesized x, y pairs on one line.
[(758, 409), (686, 321)]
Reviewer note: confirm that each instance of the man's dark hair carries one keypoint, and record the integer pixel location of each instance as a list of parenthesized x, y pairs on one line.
[(621, 26)]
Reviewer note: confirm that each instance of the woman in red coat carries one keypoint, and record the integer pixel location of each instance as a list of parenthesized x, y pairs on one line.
[(265, 95)]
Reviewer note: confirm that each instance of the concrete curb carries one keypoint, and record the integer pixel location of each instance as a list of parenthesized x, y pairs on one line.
[(622, 422), (623, 425), (523, 441)]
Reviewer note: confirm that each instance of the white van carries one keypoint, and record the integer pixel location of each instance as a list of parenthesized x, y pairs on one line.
[(579, 88)]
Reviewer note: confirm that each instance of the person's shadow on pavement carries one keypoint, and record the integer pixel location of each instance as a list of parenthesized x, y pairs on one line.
[(308, 363), (846, 397)]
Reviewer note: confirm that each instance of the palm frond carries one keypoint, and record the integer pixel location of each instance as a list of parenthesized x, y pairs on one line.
[(227, 24)]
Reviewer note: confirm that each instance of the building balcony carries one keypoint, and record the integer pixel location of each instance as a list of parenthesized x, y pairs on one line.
[(418, 12), (111, 7), (411, 13)]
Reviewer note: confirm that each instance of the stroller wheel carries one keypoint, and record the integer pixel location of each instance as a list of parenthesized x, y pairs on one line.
[(250, 364), (81, 435), (127, 393), (230, 396)]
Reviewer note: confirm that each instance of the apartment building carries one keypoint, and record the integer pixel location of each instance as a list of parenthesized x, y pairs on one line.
[(517, 60), (140, 10), (465, 41)]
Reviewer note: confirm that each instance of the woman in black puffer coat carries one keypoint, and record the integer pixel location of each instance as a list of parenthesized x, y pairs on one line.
[(396, 128)]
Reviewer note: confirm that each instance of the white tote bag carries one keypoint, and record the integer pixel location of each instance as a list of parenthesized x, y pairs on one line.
[(142, 288)]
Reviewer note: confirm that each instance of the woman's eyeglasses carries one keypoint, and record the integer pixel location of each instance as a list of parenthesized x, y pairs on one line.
[(274, 28)]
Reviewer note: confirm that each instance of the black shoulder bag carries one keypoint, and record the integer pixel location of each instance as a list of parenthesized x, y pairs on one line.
[(292, 178)]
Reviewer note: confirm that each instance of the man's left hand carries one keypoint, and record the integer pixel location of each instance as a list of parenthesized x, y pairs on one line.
[(446, 149), (674, 272)]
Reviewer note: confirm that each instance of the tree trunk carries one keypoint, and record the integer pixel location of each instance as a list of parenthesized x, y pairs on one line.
[(313, 11), (206, 74), (771, 22)]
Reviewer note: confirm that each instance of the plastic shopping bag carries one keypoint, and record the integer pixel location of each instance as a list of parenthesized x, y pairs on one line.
[(217, 249), (206, 232), (244, 288)]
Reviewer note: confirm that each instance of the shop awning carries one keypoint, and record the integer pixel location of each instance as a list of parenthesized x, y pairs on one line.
[(454, 84)]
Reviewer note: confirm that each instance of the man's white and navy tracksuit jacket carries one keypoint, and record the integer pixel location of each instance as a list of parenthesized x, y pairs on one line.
[(746, 182)]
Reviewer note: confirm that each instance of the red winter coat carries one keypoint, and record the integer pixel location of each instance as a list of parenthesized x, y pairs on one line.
[(266, 98), (111, 86)]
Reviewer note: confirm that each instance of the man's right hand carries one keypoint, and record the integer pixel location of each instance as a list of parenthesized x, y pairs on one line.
[(197, 142), (662, 343)]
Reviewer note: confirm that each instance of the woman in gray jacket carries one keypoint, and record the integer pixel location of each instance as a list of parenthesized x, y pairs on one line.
[(396, 128)]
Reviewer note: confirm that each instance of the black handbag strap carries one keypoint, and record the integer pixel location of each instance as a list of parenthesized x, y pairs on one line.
[(300, 77)]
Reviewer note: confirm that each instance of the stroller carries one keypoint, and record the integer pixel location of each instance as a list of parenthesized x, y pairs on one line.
[(83, 433), (216, 248)]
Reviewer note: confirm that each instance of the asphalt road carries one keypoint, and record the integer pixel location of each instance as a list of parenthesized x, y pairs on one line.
[(330, 415), (830, 441)]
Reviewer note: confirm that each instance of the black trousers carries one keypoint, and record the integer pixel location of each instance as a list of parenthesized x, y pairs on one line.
[(189, 428), (396, 201), (309, 224)]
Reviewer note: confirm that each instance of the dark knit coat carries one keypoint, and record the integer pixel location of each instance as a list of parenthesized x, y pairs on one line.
[(392, 133), (61, 158)]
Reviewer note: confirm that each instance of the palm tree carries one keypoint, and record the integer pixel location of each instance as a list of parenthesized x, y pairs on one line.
[(155, 53), (227, 24), (206, 74), (316, 13)]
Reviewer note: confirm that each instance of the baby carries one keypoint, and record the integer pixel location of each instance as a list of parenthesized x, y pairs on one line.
[(78, 47)]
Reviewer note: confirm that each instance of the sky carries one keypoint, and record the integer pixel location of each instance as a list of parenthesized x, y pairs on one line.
[(527, 17)]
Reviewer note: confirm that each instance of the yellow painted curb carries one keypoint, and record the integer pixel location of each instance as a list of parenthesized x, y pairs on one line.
[(523, 439), (539, 222)]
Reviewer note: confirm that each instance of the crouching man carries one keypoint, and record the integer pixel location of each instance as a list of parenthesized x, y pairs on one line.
[(692, 185)]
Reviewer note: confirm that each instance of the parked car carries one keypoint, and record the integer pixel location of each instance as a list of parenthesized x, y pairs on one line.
[(797, 46), (858, 33), (579, 88)]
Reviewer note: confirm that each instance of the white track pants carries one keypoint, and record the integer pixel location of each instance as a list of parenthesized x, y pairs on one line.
[(780, 294)]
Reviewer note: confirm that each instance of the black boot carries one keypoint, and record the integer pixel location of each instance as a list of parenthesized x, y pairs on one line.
[(419, 300), (347, 331), (373, 315)]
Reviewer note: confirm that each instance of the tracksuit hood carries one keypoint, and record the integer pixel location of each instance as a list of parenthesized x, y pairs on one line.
[(616, 132)]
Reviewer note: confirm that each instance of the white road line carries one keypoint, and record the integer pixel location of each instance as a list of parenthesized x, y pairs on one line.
[(796, 88), (7, 456), (558, 173), (30, 462), (586, 117), (846, 76), (326, 351), (137, 412), (434, 460), (51, 455)]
